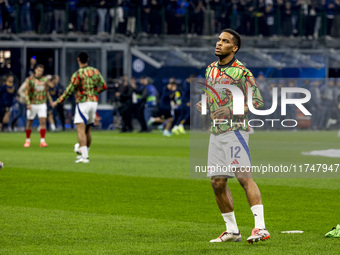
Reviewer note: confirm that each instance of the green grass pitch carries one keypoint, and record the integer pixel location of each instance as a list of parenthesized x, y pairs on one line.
[(136, 197)]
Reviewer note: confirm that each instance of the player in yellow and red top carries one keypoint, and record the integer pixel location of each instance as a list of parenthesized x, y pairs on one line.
[(228, 145), (36, 93), (88, 83)]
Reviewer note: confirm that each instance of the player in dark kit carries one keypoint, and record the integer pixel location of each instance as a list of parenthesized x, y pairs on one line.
[(228, 145)]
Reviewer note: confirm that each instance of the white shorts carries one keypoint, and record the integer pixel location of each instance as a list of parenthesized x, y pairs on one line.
[(37, 109), (228, 152), (85, 113)]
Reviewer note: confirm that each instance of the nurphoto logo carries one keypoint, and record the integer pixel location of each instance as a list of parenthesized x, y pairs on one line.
[(238, 104)]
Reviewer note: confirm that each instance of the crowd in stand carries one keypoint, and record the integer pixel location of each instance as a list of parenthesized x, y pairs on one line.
[(310, 18)]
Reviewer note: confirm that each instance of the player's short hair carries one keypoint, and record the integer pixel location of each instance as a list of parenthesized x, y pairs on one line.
[(39, 66), (83, 57), (236, 37)]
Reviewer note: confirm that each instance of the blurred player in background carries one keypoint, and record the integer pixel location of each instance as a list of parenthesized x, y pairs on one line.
[(7, 95), (167, 96), (124, 97), (166, 102), (138, 105), (36, 96), (149, 96), (21, 100), (176, 109), (56, 90), (52, 92), (184, 116), (59, 110), (88, 83), (228, 145), (32, 65)]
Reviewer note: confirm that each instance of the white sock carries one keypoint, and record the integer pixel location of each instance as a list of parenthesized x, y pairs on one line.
[(28, 140), (180, 126), (84, 152), (88, 150), (42, 140), (174, 128), (258, 216), (53, 127), (230, 222)]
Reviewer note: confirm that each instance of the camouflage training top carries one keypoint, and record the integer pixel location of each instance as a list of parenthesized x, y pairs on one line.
[(234, 73), (87, 82), (36, 91)]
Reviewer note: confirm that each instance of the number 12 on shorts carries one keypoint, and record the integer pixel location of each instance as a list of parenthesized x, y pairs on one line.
[(235, 150)]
